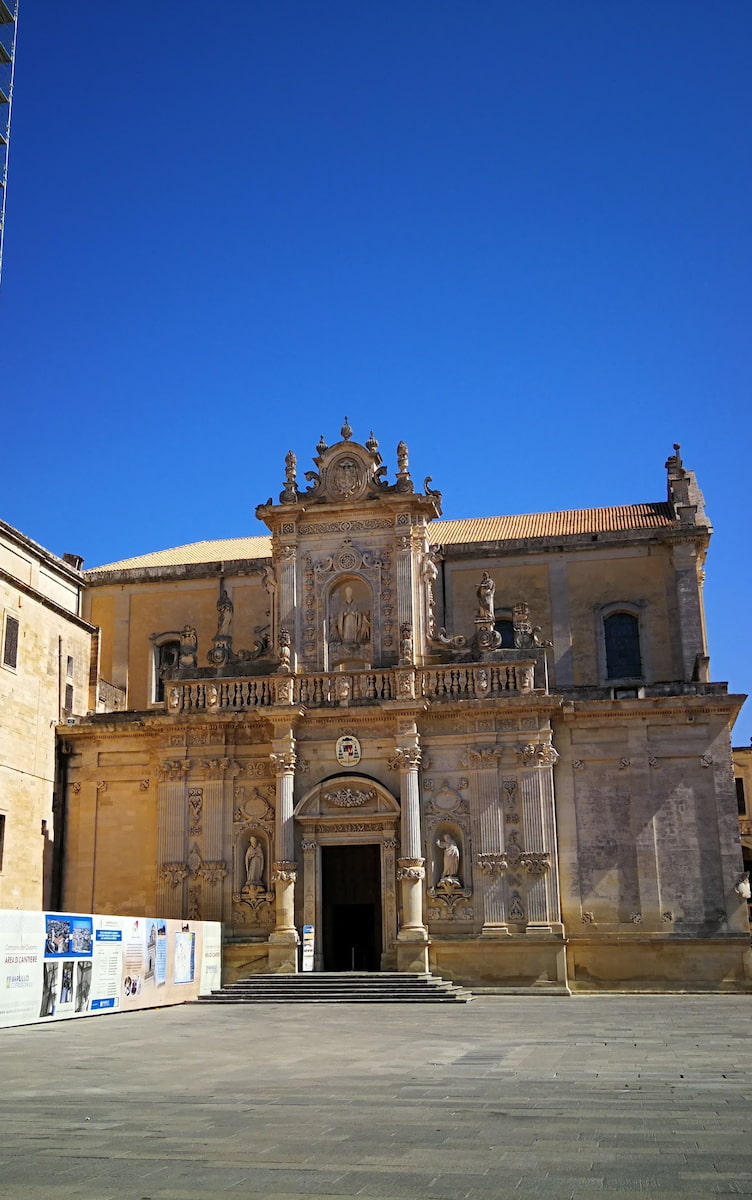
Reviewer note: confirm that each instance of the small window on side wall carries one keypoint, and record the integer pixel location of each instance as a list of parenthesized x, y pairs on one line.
[(621, 632), (741, 801), (10, 642)]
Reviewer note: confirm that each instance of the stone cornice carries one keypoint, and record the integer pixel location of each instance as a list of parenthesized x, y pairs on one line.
[(574, 711)]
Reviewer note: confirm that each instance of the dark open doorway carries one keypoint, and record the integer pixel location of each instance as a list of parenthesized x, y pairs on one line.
[(351, 908)]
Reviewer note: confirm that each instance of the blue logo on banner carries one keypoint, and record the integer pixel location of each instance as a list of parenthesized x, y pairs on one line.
[(107, 1003), (109, 935)]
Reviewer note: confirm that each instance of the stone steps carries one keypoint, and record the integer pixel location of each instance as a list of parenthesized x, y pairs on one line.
[(340, 987)]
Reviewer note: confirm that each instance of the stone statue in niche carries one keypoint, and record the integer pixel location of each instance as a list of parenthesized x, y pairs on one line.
[(188, 646), (485, 594), (429, 572), (406, 644), (254, 863), (225, 610), (352, 625), (451, 864), (284, 644)]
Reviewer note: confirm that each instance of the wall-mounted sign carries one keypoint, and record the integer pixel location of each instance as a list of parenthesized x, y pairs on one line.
[(348, 751), (309, 941)]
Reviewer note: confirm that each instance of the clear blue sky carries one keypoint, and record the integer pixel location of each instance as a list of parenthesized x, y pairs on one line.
[(516, 235)]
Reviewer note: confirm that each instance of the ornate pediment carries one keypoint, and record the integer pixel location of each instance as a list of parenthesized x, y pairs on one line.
[(347, 796), (348, 473)]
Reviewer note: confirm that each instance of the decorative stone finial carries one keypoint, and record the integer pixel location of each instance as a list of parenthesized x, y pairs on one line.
[(346, 431), (674, 462), (322, 446), (372, 445), (290, 493), (404, 482)]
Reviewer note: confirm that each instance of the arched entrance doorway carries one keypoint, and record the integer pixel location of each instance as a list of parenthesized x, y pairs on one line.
[(351, 907), (348, 828)]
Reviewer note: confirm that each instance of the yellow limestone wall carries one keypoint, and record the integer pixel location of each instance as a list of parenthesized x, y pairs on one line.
[(31, 703)]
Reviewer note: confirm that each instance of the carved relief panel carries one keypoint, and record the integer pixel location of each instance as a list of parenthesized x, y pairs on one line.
[(347, 595)]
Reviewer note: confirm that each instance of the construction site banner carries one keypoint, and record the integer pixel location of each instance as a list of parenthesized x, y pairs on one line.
[(59, 965)]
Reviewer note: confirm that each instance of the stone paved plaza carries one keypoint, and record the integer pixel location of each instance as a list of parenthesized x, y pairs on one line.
[(507, 1096)]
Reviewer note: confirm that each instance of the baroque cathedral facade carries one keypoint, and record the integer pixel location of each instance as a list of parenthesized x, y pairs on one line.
[(488, 748)]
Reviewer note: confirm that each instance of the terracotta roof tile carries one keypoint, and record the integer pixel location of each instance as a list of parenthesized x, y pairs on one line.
[(447, 533), (553, 524), (227, 549)]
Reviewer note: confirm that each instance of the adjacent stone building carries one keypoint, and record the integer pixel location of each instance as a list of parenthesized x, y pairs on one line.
[(490, 748), (47, 650)]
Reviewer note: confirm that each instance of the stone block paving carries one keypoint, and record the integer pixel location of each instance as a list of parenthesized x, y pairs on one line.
[(508, 1096)]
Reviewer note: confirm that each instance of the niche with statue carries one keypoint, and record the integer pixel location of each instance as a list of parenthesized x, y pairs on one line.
[(448, 861), (349, 632), (252, 865)]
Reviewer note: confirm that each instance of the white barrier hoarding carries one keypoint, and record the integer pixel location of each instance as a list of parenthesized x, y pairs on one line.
[(57, 965)]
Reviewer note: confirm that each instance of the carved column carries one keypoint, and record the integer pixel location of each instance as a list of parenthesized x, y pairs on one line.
[(404, 573), (171, 848), (388, 896), (539, 839), (283, 942), (412, 939), (213, 870), (287, 597), (485, 786)]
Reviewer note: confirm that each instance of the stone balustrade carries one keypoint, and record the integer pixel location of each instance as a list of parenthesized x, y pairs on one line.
[(476, 681)]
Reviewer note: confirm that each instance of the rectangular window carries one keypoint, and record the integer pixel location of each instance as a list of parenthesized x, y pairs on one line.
[(69, 697), (69, 667), (740, 798), (10, 642)]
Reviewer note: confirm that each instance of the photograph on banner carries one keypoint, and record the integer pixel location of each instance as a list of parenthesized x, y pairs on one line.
[(67, 936)]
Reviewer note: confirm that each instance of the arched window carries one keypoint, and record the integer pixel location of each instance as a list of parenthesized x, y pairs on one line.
[(622, 637), (166, 657)]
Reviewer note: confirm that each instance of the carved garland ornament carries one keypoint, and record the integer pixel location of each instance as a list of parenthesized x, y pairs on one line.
[(349, 797)]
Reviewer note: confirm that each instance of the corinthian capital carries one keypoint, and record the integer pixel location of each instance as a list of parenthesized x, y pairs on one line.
[(284, 872), (411, 868), (495, 863), (284, 762), (406, 758)]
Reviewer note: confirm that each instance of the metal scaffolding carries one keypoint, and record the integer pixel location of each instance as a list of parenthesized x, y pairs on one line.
[(8, 26)]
